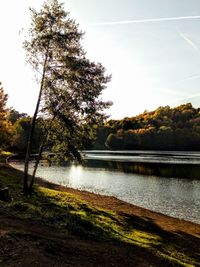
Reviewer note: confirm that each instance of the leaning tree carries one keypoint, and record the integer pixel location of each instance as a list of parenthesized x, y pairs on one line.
[(70, 84)]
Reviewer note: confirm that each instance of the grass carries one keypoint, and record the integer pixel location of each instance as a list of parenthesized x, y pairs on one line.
[(4, 155), (67, 212)]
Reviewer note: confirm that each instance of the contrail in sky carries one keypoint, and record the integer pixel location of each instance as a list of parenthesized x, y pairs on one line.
[(189, 41), (189, 78), (146, 20), (190, 96)]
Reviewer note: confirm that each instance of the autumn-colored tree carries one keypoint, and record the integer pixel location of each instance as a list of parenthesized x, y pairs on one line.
[(162, 129), (5, 126)]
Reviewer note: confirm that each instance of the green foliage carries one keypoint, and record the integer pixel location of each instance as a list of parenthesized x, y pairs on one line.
[(20, 138), (15, 115), (4, 155), (163, 129), (22, 127), (71, 84)]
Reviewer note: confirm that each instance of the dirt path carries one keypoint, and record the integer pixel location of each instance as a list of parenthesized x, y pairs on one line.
[(26, 243)]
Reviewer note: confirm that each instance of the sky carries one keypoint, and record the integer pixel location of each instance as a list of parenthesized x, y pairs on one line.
[(151, 48)]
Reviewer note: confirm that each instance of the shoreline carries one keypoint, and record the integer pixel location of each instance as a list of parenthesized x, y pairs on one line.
[(185, 216), (121, 207), (63, 226), (112, 203)]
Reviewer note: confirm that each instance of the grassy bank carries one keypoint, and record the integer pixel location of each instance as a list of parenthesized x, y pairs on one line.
[(69, 213)]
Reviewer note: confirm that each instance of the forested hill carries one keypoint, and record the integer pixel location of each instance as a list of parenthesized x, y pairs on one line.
[(163, 129)]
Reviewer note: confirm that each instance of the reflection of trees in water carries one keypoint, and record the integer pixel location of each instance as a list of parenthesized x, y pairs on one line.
[(158, 169)]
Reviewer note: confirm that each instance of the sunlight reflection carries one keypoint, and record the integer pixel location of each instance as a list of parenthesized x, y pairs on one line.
[(172, 196)]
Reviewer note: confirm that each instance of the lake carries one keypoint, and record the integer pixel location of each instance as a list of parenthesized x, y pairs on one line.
[(164, 181)]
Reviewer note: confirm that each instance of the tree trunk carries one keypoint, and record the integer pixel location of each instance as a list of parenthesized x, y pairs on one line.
[(45, 137), (33, 121), (36, 166)]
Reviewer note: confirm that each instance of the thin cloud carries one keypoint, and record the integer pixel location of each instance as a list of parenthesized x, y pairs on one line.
[(146, 20)]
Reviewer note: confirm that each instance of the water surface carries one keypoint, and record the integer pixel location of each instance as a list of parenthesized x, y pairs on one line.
[(173, 196)]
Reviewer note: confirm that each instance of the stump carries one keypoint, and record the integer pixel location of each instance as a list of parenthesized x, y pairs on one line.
[(4, 194)]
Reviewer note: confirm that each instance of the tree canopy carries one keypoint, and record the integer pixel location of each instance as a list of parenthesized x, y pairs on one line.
[(5, 125), (162, 129), (70, 84)]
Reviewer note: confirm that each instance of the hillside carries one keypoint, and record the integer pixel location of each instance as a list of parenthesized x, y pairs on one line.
[(162, 129)]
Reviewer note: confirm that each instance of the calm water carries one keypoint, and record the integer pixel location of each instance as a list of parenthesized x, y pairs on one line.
[(173, 196), (174, 157)]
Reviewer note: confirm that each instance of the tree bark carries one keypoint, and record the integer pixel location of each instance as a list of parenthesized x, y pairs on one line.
[(45, 137), (36, 166)]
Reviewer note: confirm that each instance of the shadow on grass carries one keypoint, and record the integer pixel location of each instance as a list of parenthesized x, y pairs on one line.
[(67, 211), (179, 247)]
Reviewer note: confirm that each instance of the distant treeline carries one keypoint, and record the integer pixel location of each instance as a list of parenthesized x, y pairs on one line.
[(163, 129)]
